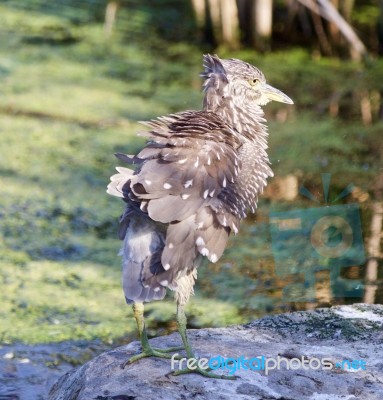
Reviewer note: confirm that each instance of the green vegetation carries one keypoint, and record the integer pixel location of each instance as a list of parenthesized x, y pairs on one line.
[(64, 111), (69, 99)]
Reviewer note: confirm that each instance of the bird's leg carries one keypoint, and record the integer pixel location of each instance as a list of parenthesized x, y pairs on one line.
[(147, 350), (181, 322)]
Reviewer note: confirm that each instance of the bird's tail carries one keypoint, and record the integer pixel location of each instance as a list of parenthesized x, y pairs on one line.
[(141, 250)]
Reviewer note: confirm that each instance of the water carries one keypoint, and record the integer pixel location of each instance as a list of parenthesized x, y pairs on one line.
[(296, 258)]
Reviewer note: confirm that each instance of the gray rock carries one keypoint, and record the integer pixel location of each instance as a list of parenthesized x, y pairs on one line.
[(338, 333)]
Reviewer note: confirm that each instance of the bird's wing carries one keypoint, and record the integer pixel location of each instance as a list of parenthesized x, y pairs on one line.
[(190, 159)]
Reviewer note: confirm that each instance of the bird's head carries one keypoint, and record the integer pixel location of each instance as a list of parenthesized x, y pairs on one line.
[(238, 82)]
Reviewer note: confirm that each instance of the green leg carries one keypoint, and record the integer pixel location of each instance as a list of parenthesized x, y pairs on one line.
[(147, 350), (181, 322)]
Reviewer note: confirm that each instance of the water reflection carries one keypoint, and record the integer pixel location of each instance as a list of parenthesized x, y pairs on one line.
[(296, 259)]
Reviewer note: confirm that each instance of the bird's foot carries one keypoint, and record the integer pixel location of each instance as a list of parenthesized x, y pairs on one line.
[(153, 352), (202, 371)]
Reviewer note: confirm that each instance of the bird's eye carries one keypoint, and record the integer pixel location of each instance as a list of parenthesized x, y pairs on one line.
[(254, 81)]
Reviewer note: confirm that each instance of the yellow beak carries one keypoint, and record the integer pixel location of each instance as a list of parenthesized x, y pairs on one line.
[(274, 94)]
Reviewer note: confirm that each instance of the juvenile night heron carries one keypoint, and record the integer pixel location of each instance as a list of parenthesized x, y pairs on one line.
[(194, 181)]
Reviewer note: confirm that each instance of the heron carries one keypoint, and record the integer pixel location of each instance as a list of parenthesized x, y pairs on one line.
[(188, 189)]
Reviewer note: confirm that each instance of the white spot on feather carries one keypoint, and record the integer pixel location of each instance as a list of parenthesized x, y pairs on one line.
[(171, 245), (213, 258), (208, 161), (182, 161), (166, 267), (197, 162), (188, 183), (165, 282), (204, 251), (185, 196), (200, 225), (205, 193), (167, 185), (156, 289), (224, 182), (148, 182), (212, 193), (200, 241)]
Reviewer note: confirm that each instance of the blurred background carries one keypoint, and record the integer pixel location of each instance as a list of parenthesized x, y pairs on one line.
[(76, 76)]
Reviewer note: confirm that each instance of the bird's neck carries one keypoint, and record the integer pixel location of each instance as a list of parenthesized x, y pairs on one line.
[(247, 120), (247, 124)]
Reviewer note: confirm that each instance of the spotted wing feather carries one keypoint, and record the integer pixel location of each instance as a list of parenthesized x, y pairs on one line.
[(190, 159)]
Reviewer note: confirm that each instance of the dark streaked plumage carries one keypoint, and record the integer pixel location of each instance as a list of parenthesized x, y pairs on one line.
[(197, 177)]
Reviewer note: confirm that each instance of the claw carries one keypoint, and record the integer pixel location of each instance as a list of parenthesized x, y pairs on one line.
[(152, 352)]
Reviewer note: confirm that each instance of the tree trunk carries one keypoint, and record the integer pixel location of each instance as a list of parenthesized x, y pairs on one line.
[(326, 10), (230, 23), (346, 7), (200, 12), (321, 34), (374, 253), (215, 16), (110, 17), (262, 24), (225, 22), (333, 28), (365, 107)]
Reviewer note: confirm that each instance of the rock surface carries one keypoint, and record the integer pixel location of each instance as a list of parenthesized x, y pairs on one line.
[(338, 333)]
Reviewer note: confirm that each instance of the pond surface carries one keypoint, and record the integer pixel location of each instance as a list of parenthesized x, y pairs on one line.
[(28, 372), (294, 258)]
